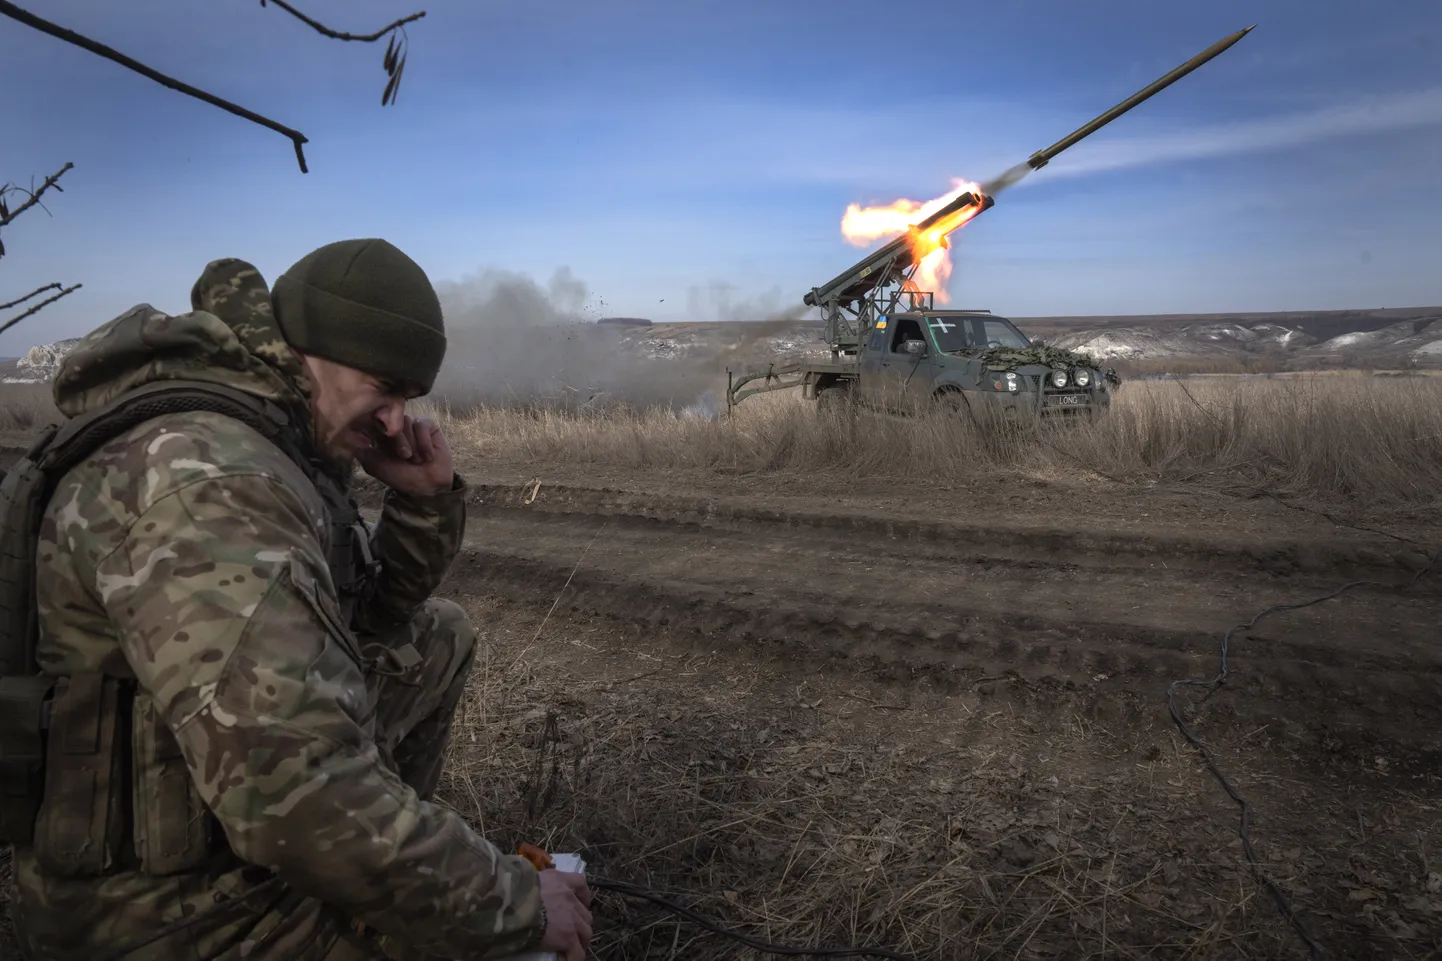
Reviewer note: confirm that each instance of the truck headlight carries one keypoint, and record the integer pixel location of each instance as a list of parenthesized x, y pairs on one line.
[(1058, 378), (1083, 377), (1006, 381)]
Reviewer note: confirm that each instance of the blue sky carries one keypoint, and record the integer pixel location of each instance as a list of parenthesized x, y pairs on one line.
[(690, 159)]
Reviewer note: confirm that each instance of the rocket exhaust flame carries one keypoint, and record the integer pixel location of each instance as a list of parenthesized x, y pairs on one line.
[(862, 225)]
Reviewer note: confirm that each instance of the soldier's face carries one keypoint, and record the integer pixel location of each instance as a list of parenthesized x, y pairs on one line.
[(353, 410)]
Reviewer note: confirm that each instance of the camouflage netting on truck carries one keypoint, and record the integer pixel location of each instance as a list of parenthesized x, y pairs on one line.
[(1010, 358)]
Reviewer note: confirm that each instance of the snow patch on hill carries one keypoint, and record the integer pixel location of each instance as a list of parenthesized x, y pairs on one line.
[(1226, 337), (40, 363), (1369, 338)]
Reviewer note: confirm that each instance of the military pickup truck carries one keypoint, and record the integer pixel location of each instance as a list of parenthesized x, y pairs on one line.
[(891, 349), (970, 360)]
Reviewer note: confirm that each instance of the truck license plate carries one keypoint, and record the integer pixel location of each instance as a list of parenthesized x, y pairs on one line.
[(1066, 400)]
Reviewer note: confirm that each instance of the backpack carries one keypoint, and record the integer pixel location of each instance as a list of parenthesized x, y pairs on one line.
[(25, 693)]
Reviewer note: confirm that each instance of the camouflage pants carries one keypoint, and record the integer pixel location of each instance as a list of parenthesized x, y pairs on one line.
[(415, 707), (417, 675)]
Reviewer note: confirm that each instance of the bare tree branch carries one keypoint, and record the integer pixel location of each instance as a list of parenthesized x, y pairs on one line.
[(37, 290), (338, 35), (99, 49), (38, 307), (395, 57), (7, 215)]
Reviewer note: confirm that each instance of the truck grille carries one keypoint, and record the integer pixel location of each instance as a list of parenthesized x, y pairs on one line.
[(1052, 404)]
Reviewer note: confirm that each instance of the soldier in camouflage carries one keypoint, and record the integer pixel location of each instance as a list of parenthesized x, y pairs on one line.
[(263, 777)]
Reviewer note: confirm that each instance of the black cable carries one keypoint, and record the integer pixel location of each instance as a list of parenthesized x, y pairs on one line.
[(1244, 825), (1283, 904), (632, 891)]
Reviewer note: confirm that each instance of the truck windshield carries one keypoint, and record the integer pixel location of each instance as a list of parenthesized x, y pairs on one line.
[(974, 333)]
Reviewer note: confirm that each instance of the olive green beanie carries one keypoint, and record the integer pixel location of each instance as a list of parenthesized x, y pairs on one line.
[(364, 304)]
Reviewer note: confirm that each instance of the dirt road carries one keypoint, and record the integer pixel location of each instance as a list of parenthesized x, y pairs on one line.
[(1083, 612), (886, 623)]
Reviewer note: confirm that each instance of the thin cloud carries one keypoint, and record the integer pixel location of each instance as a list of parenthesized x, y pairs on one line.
[(1422, 108)]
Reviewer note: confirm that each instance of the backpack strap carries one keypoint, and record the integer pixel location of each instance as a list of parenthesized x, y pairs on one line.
[(82, 435), (28, 486), (26, 694)]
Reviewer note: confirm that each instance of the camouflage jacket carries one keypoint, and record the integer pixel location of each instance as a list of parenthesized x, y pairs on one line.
[(190, 555)]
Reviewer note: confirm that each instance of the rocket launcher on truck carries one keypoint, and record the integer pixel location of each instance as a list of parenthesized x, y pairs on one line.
[(875, 286)]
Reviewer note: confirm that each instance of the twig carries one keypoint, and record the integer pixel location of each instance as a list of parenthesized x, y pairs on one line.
[(21, 300), (338, 35), (7, 215), (37, 308), (101, 50), (561, 593), (395, 57)]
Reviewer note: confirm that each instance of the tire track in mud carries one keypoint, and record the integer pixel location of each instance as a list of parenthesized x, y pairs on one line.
[(1048, 609), (1343, 556)]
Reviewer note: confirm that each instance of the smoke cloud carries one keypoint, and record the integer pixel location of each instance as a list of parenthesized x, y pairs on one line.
[(717, 301), (513, 342)]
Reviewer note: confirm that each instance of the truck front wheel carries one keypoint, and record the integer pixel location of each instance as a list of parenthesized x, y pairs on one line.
[(952, 400), (833, 397)]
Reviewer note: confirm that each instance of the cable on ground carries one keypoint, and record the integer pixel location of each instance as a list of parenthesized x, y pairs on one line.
[(1244, 824), (1283, 904)]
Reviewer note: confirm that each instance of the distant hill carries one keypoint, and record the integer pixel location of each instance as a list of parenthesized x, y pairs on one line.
[(1322, 324), (1386, 337), (1410, 335)]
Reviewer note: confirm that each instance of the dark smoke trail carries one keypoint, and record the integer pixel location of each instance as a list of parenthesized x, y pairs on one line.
[(1007, 179)]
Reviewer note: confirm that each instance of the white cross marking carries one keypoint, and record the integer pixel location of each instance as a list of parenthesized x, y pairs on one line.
[(936, 323)]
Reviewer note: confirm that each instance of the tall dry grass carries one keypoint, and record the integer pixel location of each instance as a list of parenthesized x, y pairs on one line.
[(1352, 437), (1346, 436), (26, 407)]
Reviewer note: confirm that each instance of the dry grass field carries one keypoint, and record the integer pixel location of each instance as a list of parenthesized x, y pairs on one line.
[(1372, 440), (24, 409), (848, 678)]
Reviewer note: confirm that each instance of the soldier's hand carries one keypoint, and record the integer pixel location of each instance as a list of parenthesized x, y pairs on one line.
[(417, 460), (568, 914)]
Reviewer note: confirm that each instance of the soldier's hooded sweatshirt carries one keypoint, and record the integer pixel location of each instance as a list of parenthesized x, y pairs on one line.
[(190, 554)]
